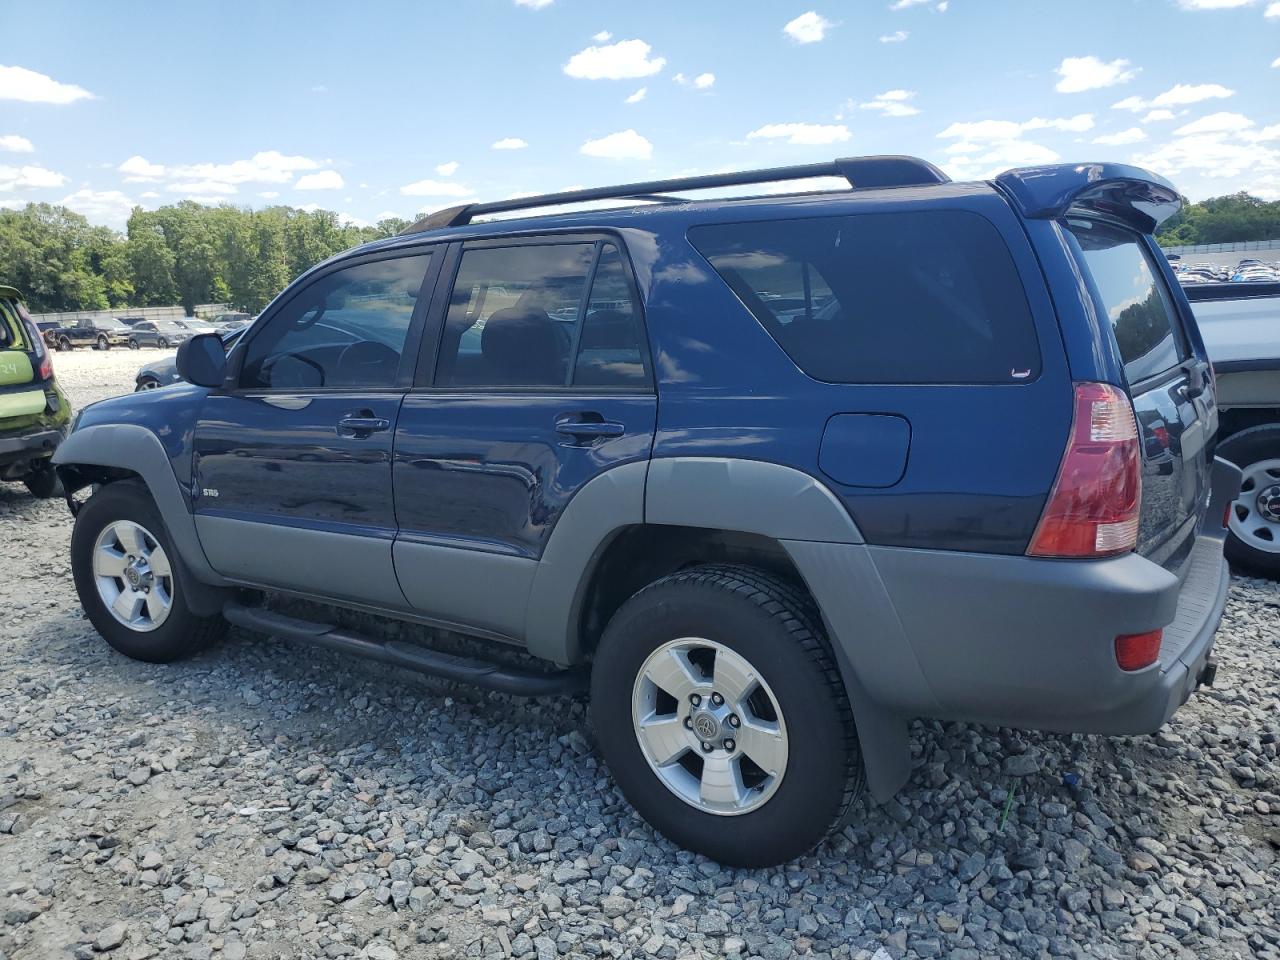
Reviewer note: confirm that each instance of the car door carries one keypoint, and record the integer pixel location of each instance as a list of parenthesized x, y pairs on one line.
[(536, 381), (293, 457)]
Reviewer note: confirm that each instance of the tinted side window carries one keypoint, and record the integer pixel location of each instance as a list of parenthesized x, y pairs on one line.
[(925, 297), (609, 352), (1132, 297), (346, 329)]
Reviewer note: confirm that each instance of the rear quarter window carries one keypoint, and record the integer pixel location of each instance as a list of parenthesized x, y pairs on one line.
[(920, 297), (1132, 297)]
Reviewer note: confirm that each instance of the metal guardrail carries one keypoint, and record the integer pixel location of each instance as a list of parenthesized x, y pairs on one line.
[(1240, 246), (71, 317)]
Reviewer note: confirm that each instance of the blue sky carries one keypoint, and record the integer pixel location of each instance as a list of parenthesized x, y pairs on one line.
[(389, 107)]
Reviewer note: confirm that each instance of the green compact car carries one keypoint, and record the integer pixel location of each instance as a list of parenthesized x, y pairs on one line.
[(34, 412)]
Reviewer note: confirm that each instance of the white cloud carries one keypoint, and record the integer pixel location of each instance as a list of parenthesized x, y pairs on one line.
[(205, 188), (623, 60), (19, 83), (435, 188), (809, 27), (904, 4), (1179, 95), (12, 143), (533, 4), (604, 36), (509, 143), (140, 170), (1184, 93), (1122, 138), (100, 206), (1264, 135), (149, 195), (892, 103), (704, 80), (637, 96), (29, 176), (1212, 156), (269, 194), (802, 134), (624, 145), (896, 37), (347, 220), (1215, 123), (1276, 63), (324, 180), (447, 169), (1089, 73), (267, 166), (1077, 124), (1214, 4), (1156, 116), (1272, 13)]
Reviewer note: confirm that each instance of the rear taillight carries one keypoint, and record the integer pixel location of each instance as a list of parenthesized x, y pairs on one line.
[(1137, 650), (38, 346), (1092, 510)]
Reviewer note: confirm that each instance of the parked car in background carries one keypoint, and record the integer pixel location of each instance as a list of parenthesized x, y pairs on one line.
[(34, 412), (195, 325), (231, 321), (101, 333), (1241, 330), (162, 372), (966, 472), (158, 333)]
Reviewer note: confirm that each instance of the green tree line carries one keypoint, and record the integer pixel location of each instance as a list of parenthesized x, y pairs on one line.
[(185, 253), (1230, 219)]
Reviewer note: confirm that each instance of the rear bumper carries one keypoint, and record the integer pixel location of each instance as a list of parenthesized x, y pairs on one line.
[(1023, 642), (39, 443)]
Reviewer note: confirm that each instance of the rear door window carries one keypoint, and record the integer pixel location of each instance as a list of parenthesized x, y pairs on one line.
[(1133, 298), (555, 315), (924, 297)]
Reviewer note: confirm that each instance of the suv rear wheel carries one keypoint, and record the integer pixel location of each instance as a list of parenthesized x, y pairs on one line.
[(103, 343), (722, 714), (129, 578), (1253, 525)]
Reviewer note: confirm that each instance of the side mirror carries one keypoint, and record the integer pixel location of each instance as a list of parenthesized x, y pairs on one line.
[(202, 360)]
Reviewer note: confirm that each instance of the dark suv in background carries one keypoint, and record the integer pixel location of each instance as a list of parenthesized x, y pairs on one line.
[(773, 475)]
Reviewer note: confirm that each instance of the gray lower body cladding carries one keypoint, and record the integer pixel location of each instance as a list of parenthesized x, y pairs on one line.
[(1018, 641)]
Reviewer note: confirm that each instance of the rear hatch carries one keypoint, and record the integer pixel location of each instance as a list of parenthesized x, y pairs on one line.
[(1170, 385)]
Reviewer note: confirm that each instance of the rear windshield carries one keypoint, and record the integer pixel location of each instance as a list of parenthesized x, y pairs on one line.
[(1133, 298), (925, 297)]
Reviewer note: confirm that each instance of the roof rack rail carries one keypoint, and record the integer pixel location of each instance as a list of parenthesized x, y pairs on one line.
[(861, 172)]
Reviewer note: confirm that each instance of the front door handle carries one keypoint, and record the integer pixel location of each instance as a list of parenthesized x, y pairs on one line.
[(590, 429), (360, 427)]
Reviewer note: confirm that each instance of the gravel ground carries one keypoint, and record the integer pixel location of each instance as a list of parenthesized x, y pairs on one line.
[(255, 802)]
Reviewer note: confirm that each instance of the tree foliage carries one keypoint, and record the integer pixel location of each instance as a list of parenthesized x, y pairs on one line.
[(186, 253), (1230, 219)]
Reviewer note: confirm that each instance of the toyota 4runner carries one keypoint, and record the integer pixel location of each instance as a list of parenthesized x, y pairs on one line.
[(772, 475)]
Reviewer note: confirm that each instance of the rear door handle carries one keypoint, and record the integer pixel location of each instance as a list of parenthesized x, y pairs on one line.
[(590, 429), (362, 426)]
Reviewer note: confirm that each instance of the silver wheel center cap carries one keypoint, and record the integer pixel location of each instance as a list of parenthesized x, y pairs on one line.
[(131, 574), (706, 726), (1269, 503)]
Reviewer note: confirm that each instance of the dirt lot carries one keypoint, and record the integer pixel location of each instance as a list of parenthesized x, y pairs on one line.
[(269, 802)]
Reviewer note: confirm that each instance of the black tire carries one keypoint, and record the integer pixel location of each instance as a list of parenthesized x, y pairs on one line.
[(182, 634), (1244, 449), (776, 628), (43, 482), (63, 344), (133, 344), (102, 344), (162, 343)]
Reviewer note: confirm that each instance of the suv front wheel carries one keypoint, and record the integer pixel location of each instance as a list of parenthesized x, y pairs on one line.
[(129, 578), (721, 712)]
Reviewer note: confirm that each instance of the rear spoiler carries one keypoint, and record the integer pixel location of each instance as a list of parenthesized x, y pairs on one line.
[(1141, 199)]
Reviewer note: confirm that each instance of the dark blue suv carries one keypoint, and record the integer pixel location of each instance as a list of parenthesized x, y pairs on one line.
[(772, 475)]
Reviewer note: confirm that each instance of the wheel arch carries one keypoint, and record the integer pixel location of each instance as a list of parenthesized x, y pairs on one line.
[(107, 453)]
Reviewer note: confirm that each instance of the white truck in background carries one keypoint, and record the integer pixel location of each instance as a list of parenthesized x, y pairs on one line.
[(1240, 324)]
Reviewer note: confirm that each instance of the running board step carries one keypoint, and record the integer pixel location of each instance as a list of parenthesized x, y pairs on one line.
[(481, 673)]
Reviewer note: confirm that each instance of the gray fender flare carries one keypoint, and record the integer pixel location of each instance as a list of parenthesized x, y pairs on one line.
[(746, 496), (131, 447)]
